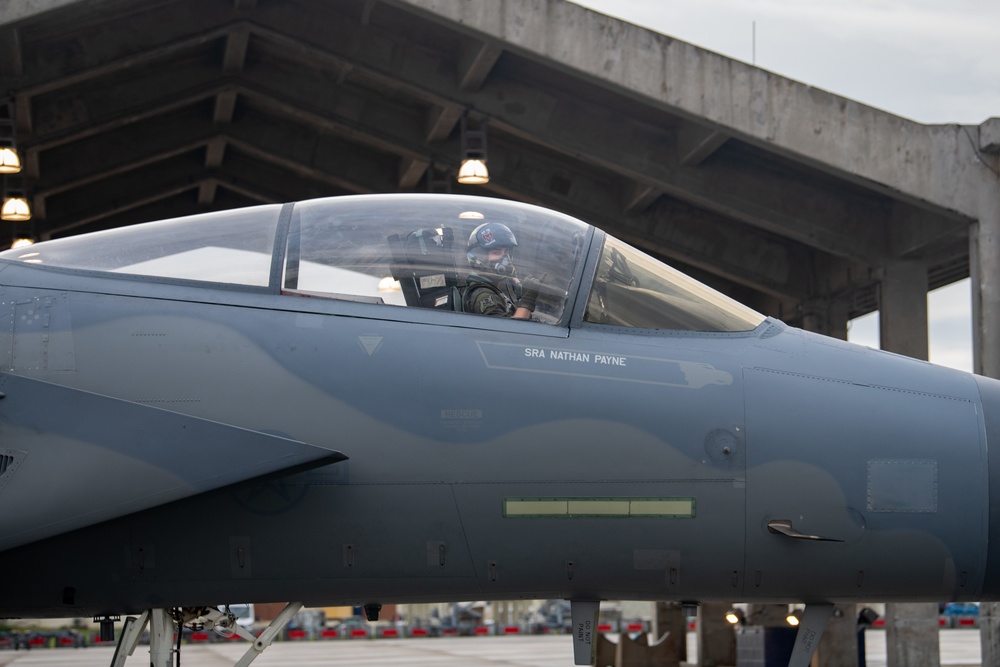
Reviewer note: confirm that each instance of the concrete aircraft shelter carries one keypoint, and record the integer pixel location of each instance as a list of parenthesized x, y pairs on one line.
[(805, 205)]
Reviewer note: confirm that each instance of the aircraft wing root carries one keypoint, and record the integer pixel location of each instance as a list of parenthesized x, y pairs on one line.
[(72, 458)]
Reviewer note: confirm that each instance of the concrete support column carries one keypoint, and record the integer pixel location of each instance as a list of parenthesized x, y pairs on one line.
[(418, 614), (911, 629), (984, 256), (989, 632), (669, 617), (511, 612), (911, 635), (716, 638), (984, 268), (903, 308), (829, 319)]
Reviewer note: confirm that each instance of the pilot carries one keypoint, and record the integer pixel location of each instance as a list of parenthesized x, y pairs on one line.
[(493, 287)]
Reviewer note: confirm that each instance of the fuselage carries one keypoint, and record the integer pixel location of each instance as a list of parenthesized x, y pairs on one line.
[(487, 458)]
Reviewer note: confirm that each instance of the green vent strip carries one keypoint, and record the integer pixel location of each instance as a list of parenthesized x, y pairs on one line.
[(611, 508)]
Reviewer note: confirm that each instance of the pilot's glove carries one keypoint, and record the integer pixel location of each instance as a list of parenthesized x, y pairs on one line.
[(529, 292)]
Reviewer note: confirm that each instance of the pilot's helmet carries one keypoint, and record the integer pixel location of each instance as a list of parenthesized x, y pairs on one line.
[(489, 236)]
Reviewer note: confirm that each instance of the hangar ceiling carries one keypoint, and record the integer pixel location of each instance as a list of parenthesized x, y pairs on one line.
[(136, 110)]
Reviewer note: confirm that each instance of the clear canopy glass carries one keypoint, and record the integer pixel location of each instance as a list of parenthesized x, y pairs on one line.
[(413, 250), (232, 246), (406, 251), (632, 289)]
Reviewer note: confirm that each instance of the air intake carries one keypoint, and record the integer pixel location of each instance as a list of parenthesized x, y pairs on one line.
[(10, 459)]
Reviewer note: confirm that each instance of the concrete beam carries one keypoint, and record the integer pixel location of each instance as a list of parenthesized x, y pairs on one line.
[(162, 89), (912, 230), (109, 120), (331, 160), (384, 134), (75, 56), (254, 181), (475, 62), (225, 106), (411, 171), (366, 12), (832, 228), (215, 151), (696, 143), (381, 126), (671, 229), (441, 121), (638, 197), (11, 60), (153, 182), (235, 55), (11, 12), (254, 175), (387, 134), (153, 56), (352, 112), (132, 146), (206, 191), (172, 206), (836, 219), (935, 164), (67, 198), (989, 136)]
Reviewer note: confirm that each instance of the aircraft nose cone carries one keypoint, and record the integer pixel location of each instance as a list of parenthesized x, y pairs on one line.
[(989, 390)]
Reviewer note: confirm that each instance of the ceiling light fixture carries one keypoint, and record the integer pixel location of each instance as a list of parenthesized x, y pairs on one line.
[(15, 209), (473, 170), (15, 205), (10, 161)]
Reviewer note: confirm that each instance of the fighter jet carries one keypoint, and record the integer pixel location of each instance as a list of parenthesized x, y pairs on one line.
[(306, 402)]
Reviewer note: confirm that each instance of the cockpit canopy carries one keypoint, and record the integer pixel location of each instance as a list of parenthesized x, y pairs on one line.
[(405, 251)]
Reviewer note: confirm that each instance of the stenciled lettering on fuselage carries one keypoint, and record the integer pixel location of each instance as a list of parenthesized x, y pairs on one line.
[(602, 365)]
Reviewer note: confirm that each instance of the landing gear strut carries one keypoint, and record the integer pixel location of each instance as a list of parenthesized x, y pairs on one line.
[(164, 623)]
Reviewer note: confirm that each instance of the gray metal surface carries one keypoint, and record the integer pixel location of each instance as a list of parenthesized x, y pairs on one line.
[(288, 422)]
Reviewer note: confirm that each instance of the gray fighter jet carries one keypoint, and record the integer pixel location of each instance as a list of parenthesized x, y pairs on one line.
[(305, 402)]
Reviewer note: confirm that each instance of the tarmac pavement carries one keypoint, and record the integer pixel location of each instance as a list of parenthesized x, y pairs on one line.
[(959, 648)]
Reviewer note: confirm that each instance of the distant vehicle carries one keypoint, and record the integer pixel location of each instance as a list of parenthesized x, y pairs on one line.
[(244, 614), (961, 609)]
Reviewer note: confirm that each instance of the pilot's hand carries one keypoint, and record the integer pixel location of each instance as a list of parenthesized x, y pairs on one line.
[(529, 292)]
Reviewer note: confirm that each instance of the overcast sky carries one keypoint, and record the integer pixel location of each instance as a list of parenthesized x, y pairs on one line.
[(932, 61)]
